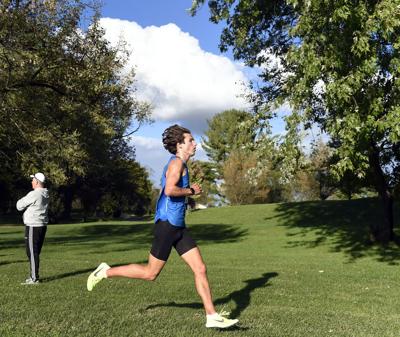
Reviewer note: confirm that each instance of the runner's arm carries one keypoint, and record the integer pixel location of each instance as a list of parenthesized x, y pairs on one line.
[(174, 172)]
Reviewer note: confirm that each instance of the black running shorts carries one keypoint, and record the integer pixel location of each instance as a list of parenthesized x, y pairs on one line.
[(167, 236)]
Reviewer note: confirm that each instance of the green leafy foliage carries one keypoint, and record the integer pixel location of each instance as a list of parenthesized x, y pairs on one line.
[(65, 103), (337, 64), (227, 131), (204, 174)]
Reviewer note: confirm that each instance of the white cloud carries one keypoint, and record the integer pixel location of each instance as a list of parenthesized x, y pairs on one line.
[(271, 62), (182, 81), (154, 157)]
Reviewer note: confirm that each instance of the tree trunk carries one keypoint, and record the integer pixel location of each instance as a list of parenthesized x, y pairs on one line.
[(382, 232), (68, 194)]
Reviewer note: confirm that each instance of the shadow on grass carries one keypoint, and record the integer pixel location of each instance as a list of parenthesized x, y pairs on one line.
[(233, 328), (13, 220), (3, 263), (130, 234), (241, 297), (343, 225), (81, 271), (81, 219), (217, 233), (142, 233), (15, 232), (65, 275)]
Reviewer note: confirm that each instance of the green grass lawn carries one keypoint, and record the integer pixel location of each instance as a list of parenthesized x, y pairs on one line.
[(302, 269)]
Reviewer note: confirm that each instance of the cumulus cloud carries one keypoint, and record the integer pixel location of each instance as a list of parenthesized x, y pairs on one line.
[(153, 156), (182, 81)]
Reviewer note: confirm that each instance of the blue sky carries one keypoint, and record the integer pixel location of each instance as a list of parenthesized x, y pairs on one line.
[(162, 12), (179, 70)]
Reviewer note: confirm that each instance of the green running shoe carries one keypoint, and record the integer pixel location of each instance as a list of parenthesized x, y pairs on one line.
[(97, 275)]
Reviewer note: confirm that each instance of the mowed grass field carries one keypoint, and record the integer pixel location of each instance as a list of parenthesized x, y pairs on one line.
[(285, 270)]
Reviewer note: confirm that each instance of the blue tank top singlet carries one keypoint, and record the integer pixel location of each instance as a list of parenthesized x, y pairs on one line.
[(172, 209)]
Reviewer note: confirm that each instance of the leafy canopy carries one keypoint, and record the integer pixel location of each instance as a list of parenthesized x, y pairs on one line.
[(335, 61), (66, 100)]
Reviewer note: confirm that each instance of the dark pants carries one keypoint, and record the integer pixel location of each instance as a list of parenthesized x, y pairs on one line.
[(34, 238)]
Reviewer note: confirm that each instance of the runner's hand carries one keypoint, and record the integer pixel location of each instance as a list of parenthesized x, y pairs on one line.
[(197, 189)]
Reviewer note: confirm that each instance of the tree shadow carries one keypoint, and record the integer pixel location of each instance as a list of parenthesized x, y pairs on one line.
[(139, 233), (131, 234), (217, 233), (80, 218), (65, 275), (3, 263), (89, 235), (15, 232), (14, 243), (343, 225), (143, 233), (241, 297), (138, 218)]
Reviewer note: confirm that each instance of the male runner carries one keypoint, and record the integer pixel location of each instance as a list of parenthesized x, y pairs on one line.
[(170, 230)]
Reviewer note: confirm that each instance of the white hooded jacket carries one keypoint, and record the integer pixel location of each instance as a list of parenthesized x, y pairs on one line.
[(35, 204)]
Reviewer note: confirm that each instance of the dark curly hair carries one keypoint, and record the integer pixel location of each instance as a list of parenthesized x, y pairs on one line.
[(172, 136)]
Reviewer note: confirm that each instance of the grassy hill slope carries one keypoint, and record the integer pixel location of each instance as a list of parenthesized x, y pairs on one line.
[(302, 269)]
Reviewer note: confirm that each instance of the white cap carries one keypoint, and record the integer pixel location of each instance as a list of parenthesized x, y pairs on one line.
[(38, 176)]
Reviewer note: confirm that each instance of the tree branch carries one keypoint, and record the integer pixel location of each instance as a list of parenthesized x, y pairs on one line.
[(39, 84)]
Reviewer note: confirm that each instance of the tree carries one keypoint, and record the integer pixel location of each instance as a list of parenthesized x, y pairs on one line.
[(320, 162), (128, 190), (204, 174), (65, 103), (226, 132), (243, 183), (235, 135), (337, 64)]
